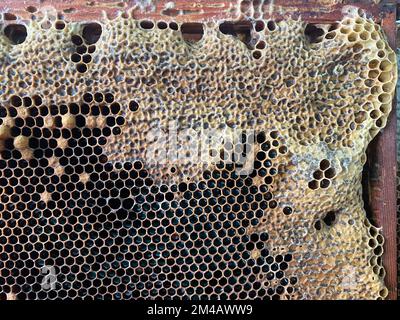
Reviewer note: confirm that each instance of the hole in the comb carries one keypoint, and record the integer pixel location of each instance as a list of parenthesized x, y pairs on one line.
[(318, 225), (92, 32), (330, 218), (313, 33), (192, 32), (333, 27), (241, 30), (16, 33)]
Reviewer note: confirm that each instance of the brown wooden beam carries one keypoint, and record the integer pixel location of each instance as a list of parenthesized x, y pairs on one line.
[(315, 11)]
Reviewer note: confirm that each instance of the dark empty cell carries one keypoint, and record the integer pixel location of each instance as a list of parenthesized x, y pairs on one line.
[(44, 111), (261, 155), (76, 40), (74, 108), (324, 183), (317, 225), (162, 25), (283, 150), (261, 137), (81, 67), (192, 32), (15, 131), (330, 173), (313, 33), (173, 26), (116, 131), (81, 49), (60, 25), (271, 25), (19, 122), (85, 109), (313, 184), (80, 121), (3, 112), (287, 210), (261, 45), (272, 154), (115, 108), (16, 33), (86, 58), (16, 101), (91, 49), (257, 54), (324, 164), (318, 175), (91, 33), (133, 106), (54, 110), (12, 112), (109, 97), (268, 180), (98, 97), (146, 24), (63, 109), (273, 171), (259, 26), (105, 111), (27, 101)]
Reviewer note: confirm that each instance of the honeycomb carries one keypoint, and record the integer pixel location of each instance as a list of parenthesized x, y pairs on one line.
[(102, 197)]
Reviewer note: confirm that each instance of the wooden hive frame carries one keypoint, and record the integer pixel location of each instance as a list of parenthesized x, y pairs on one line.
[(379, 180)]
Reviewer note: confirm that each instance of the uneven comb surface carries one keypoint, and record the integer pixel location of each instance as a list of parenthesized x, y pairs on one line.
[(96, 182)]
